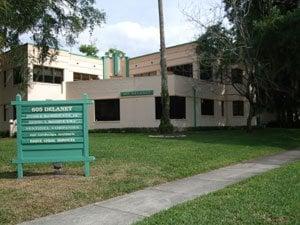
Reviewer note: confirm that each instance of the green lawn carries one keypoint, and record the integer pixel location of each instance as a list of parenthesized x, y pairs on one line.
[(269, 199), (125, 163)]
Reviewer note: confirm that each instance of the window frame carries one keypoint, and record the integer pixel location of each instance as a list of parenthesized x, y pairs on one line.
[(118, 110), (240, 111), (205, 113), (39, 74), (174, 115), (189, 71)]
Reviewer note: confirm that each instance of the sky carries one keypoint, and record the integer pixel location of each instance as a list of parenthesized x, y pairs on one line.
[(133, 26)]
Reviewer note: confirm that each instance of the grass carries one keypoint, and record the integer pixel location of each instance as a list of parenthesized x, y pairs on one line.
[(125, 163), (270, 199)]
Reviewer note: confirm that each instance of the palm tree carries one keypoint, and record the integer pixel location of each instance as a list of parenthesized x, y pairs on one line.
[(165, 123)]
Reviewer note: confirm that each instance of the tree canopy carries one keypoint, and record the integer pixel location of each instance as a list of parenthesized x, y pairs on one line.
[(46, 21), (89, 50)]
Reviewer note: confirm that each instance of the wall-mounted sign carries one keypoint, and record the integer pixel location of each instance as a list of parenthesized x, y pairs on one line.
[(52, 131), (137, 93)]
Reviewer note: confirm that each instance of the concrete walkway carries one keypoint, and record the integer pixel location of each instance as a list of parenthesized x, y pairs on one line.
[(132, 207)]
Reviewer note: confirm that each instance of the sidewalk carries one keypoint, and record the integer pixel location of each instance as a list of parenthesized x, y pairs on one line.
[(135, 206)]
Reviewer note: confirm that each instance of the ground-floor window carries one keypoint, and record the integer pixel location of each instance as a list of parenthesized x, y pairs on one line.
[(84, 76), (222, 108), (48, 74), (5, 110), (107, 110), (238, 108), (177, 107), (207, 107)]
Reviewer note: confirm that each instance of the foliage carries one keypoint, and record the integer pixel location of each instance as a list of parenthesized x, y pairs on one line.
[(89, 50), (125, 163), (268, 199), (46, 20)]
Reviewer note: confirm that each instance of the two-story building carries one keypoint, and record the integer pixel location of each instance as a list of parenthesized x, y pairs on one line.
[(126, 90)]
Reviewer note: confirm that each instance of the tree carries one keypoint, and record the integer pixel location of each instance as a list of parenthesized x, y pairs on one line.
[(165, 123), (45, 21), (89, 50)]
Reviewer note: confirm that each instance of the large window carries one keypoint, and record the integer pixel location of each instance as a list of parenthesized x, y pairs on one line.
[(17, 75), (222, 108), (48, 74), (206, 73), (177, 107), (5, 109), (238, 108), (4, 78), (107, 110), (147, 74), (182, 70), (84, 76), (236, 76), (207, 107)]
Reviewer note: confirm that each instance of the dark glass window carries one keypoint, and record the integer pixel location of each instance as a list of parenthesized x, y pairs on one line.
[(207, 107), (222, 108), (206, 73), (177, 107), (83, 76), (48, 74), (4, 78), (107, 110), (17, 75), (185, 70), (14, 113), (238, 108), (4, 112), (236, 76)]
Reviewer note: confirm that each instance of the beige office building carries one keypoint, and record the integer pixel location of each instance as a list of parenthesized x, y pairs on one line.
[(127, 90)]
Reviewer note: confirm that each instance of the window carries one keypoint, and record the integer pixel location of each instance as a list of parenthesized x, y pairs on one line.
[(48, 74), (17, 75), (206, 73), (177, 107), (84, 76), (14, 113), (4, 78), (238, 108), (4, 112), (107, 110), (185, 70), (152, 73), (236, 76), (207, 107), (222, 108)]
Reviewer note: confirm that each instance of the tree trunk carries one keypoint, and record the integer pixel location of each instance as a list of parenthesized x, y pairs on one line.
[(165, 123), (250, 117)]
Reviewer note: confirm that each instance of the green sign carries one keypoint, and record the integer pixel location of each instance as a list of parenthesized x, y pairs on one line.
[(52, 131), (137, 93)]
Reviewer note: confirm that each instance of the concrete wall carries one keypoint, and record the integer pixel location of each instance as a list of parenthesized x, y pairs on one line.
[(176, 55), (139, 111)]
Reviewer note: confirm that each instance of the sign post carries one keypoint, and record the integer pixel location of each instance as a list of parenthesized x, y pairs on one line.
[(52, 131)]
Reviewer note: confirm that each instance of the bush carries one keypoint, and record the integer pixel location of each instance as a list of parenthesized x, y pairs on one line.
[(4, 134)]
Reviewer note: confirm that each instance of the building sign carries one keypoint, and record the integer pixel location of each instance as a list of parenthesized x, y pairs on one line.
[(137, 93), (52, 131)]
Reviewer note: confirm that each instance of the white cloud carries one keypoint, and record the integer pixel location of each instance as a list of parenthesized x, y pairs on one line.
[(134, 38)]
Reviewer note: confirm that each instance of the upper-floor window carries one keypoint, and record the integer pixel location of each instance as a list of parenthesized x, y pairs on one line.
[(238, 108), (84, 76), (17, 76), (236, 76), (48, 74), (207, 107), (4, 78), (206, 73), (147, 74), (185, 70)]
